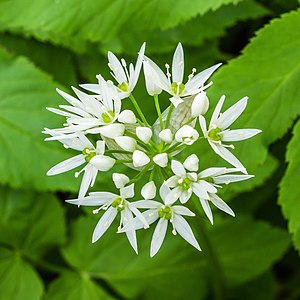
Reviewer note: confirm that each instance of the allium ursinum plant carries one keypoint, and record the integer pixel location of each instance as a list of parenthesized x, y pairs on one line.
[(106, 135)]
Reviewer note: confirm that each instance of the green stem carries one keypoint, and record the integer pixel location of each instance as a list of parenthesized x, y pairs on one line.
[(117, 151), (158, 111), (141, 174), (136, 105), (169, 115)]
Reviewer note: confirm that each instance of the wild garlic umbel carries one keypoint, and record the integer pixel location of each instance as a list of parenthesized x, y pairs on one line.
[(104, 134)]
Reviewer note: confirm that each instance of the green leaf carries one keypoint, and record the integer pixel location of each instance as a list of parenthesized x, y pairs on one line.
[(177, 264), (268, 72), (25, 92), (289, 193), (18, 280), (30, 222), (189, 33), (73, 286), (71, 22)]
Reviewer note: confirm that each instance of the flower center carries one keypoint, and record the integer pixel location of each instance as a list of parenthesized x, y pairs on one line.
[(108, 116), (118, 203), (215, 135), (89, 154), (185, 183), (165, 212), (123, 86), (177, 88)]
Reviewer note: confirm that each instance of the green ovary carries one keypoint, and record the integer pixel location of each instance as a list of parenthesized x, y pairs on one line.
[(89, 154), (215, 135), (177, 88), (185, 184), (123, 86), (165, 212), (108, 116), (118, 203)]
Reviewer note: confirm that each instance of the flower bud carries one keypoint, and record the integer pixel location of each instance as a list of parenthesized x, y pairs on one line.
[(144, 134), (140, 159), (127, 143), (200, 105), (127, 116), (120, 180), (149, 190), (166, 136), (161, 159), (192, 163), (102, 162), (150, 77), (187, 135)]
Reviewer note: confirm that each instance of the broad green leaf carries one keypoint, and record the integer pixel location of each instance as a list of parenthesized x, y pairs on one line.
[(289, 193), (242, 248), (73, 286), (73, 22), (30, 222), (18, 280), (25, 92), (195, 32), (268, 72)]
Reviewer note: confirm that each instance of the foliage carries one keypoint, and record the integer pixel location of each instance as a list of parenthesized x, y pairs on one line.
[(45, 245)]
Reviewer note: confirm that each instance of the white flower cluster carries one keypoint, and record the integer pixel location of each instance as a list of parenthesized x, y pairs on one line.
[(104, 135)]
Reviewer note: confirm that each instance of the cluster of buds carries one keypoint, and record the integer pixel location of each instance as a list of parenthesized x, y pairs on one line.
[(105, 135)]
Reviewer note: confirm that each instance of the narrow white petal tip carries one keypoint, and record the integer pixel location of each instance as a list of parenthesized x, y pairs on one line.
[(144, 134)]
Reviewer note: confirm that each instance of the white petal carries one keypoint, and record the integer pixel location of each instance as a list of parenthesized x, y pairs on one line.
[(219, 203), (100, 148), (117, 68), (200, 191), (140, 159), (127, 117), (217, 111), (164, 191), (239, 134), (94, 200), (207, 210), (211, 172), (176, 100), (127, 143), (95, 88), (111, 130), (158, 236), (200, 105), (172, 181), (67, 165), (184, 229), (87, 179), (138, 67), (144, 134), (187, 135), (131, 235), (149, 190), (127, 192), (178, 64), (199, 79), (192, 163), (231, 178), (172, 196), (178, 168), (161, 159), (102, 163), (232, 113), (151, 87), (146, 204), (185, 196), (104, 223), (166, 136), (182, 210), (228, 156), (202, 122), (72, 100), (207, 186), (120, 180)]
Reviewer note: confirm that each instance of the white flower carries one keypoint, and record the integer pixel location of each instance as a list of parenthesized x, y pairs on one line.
[(165, 213), (173, 84), (140, 159), (149, 190), (151, 87), (186, 135), (166, 136), (185, 184), (127, 143), (161, 159), (93, 157), (90, 114), (113, 204), (218, 131), (144, 134), (200, 105)]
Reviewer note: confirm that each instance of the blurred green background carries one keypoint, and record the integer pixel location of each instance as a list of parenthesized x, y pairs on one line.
[(45, 244)]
